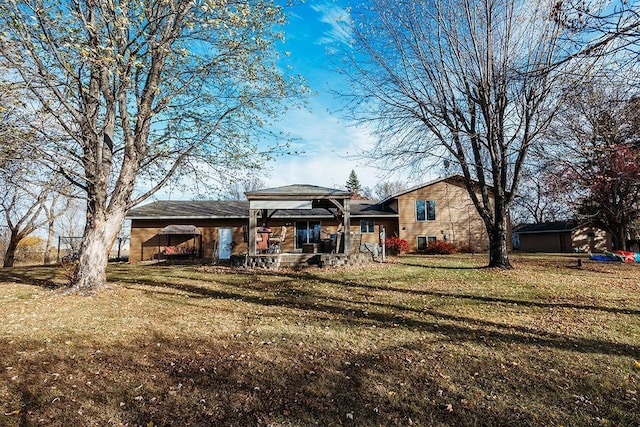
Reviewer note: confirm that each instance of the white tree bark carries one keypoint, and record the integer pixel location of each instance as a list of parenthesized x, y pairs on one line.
[(142, 91)]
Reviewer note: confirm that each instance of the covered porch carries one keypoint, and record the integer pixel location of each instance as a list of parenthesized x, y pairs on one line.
[(264, 204)]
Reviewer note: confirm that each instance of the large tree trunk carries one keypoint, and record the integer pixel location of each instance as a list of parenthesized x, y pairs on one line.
[(50, 236), (99, 234), (498, 248), (618, 238), (10, 254), (497, 230)]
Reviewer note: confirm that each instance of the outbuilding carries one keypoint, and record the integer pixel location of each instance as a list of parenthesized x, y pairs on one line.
[(561, 236)]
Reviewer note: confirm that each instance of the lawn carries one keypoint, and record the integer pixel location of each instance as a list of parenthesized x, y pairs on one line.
[(421, 341)]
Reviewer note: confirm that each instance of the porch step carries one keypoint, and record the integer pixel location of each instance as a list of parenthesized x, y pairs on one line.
[(297, 261)]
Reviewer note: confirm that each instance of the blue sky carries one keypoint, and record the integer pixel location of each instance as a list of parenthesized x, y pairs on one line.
[(314, 30)]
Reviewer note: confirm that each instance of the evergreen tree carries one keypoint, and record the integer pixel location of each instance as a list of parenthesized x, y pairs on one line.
[(353, 183)]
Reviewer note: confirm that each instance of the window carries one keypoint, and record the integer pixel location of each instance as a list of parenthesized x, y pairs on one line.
[(425, 210), (367, 226), (423, 242), (307, 232)]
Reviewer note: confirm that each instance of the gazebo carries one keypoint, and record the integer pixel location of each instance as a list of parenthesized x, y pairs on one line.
[(265, 203), (183, 231)]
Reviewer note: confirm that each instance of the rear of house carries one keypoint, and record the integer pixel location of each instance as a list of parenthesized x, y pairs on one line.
[(439, 210)]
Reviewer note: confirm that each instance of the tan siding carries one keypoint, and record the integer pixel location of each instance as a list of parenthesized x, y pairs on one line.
[(146, 245), (456, 217), (145, 241), (542, 242), (590, 239), (567, 241)]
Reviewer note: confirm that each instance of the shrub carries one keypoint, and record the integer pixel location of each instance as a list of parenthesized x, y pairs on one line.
[(396, 245), (440, 247), (465, 248), (31, 248)]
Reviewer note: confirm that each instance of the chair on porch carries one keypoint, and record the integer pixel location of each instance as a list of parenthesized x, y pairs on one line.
[(276, 240), (262, 244)]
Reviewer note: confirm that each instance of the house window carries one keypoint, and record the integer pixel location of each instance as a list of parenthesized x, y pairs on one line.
[(366, 226), (423, 242), (425, 210)]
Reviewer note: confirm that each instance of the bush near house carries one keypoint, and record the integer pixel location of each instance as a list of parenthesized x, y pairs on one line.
[(396, 245), (440, 247), (465, 248)]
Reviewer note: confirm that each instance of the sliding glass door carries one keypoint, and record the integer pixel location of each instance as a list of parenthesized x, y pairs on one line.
[(307, 232)]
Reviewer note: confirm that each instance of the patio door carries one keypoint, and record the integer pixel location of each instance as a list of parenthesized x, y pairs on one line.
[(307, 232), (225, 240)]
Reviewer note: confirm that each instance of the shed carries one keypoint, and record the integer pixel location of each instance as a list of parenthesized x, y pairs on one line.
[(561, 236)]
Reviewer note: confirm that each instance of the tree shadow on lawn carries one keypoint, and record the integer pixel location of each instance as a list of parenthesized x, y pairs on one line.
[(47, 277), (456, 328), (443, 267), (482, 298), (167, 380)]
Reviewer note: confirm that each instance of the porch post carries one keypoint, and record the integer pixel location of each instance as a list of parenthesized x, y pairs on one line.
[(253, 215), (347, 226)]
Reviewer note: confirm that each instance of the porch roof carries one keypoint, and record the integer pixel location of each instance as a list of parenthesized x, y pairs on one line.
[(298, 192), (180, 229), (229, 209)]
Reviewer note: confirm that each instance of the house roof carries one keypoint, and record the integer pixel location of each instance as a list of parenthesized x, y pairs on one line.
[(218, 209), (298, 191), (548, 227), (194, 209), (426, 184)]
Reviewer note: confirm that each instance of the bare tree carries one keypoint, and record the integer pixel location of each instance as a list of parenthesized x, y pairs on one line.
[(384, 189), (237, 188), (477, 81), (27, 196), (57, 205), (541, 196), (22, 210), (144, 92), (596, 140)]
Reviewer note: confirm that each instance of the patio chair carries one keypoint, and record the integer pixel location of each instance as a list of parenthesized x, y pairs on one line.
[(276, 240), (261, 242)]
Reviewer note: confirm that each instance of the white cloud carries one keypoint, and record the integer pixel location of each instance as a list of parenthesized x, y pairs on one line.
[(339, 21), (330, 149)]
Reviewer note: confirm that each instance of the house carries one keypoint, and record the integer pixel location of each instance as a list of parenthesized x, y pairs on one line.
[(561, 236), (438, 210), (311, 217)]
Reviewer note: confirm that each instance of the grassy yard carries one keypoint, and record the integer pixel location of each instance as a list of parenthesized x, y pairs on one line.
[(424, 341)]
